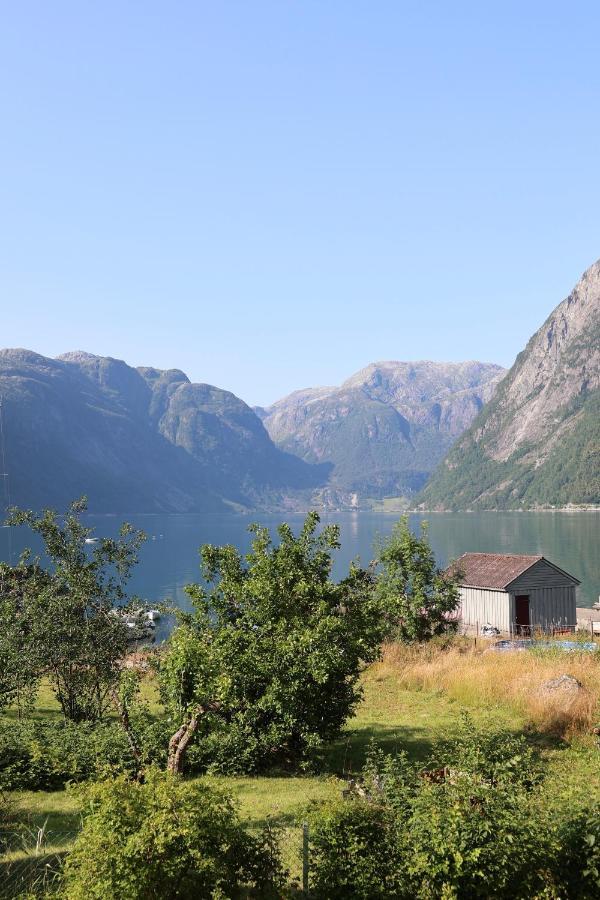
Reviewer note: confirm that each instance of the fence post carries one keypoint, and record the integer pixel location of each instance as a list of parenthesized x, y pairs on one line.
[(305, 859)]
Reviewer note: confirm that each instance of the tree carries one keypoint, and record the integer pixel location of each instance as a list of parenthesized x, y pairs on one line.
[(20, 664), (67, 609), (418, 597), (266, 669)]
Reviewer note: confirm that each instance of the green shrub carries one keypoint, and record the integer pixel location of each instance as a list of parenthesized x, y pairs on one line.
[(579, 862), (353, 851), (471, 825), (469, 838), (45, 755), (164, 838)]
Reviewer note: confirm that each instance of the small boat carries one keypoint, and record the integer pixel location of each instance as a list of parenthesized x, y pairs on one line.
[(138, 620), (91, 540)]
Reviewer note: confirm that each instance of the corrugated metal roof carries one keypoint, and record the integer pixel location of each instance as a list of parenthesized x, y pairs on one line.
[(492, 570)]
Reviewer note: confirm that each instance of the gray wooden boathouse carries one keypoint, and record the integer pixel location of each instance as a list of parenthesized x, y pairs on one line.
[(516, 593)]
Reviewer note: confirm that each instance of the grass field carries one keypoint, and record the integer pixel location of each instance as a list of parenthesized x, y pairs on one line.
[(412, 701)]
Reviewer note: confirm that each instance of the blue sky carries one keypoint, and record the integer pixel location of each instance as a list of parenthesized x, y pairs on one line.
[(270, 195)]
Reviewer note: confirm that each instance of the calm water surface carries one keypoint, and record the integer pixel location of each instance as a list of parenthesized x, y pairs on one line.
[(169, 560)]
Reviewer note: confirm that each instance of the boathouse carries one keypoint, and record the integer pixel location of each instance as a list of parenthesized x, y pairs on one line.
[(516, 593)]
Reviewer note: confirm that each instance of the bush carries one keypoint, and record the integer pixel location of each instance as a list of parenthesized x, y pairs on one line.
[(579, 862), (473, 828), (469, 838), (353, 851), (164, 838), (45, 755)]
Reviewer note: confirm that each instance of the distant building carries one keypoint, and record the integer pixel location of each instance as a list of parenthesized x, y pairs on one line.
[(515, 593)]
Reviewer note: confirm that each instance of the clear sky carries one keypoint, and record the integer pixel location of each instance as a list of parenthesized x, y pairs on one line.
[(270, 195)]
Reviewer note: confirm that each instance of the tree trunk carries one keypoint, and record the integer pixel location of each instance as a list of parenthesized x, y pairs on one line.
[(180, 741), (126, 723), (179, 744)]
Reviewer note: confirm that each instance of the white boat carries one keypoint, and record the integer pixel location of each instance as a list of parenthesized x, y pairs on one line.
[(91, 540)]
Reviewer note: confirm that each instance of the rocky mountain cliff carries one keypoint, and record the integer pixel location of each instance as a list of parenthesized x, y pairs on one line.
[(386, 428), (538, 441), (135, 440)]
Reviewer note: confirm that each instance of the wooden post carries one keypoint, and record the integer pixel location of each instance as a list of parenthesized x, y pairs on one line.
[(305, 859)]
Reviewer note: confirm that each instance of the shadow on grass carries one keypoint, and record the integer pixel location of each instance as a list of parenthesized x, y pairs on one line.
[(347, 755)]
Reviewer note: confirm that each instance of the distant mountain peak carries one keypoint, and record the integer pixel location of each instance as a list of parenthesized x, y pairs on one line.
[(386, 427), (77, 356)]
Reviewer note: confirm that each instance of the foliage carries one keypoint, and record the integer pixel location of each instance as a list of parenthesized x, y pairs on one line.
[(267, 669), (472, 828), (352, 851), (505, 758), (38, 755), (579, 859), (20, 662), (66, 611), (164, 838), (418, 597)]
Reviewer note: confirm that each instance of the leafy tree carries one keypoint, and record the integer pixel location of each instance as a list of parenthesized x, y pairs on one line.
[(20, 663), (267, 668), (419, 598), (164, 838), (66, 610)]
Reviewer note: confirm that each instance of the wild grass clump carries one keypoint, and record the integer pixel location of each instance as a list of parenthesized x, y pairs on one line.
[(474, 677)]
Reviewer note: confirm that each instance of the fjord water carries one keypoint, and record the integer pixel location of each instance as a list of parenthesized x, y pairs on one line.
[(169, 559)]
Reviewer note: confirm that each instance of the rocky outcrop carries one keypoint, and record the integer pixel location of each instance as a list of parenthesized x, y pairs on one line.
[(384, 429), (538, 441)]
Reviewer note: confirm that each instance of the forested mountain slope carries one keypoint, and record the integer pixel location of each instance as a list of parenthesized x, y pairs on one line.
[(386, 428), (537, 442)]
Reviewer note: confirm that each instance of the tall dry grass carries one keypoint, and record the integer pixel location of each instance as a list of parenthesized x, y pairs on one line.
[(474, 677)]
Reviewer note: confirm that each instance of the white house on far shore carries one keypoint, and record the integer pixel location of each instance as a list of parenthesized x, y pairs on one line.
[(516, 593)]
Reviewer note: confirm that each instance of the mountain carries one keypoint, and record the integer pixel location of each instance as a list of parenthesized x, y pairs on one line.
[(386, 428), (537, 443), (135, 440)]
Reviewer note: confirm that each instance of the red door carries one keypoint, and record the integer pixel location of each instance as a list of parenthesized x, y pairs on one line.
[(522, 613)]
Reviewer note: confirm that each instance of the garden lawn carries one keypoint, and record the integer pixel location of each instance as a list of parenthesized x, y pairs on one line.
[(396, 713)]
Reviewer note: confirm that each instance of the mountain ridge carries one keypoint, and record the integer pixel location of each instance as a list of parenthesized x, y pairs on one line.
[(135, 440), (537, 443)]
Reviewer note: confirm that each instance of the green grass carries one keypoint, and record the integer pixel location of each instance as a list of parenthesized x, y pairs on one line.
[(395, 717)]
